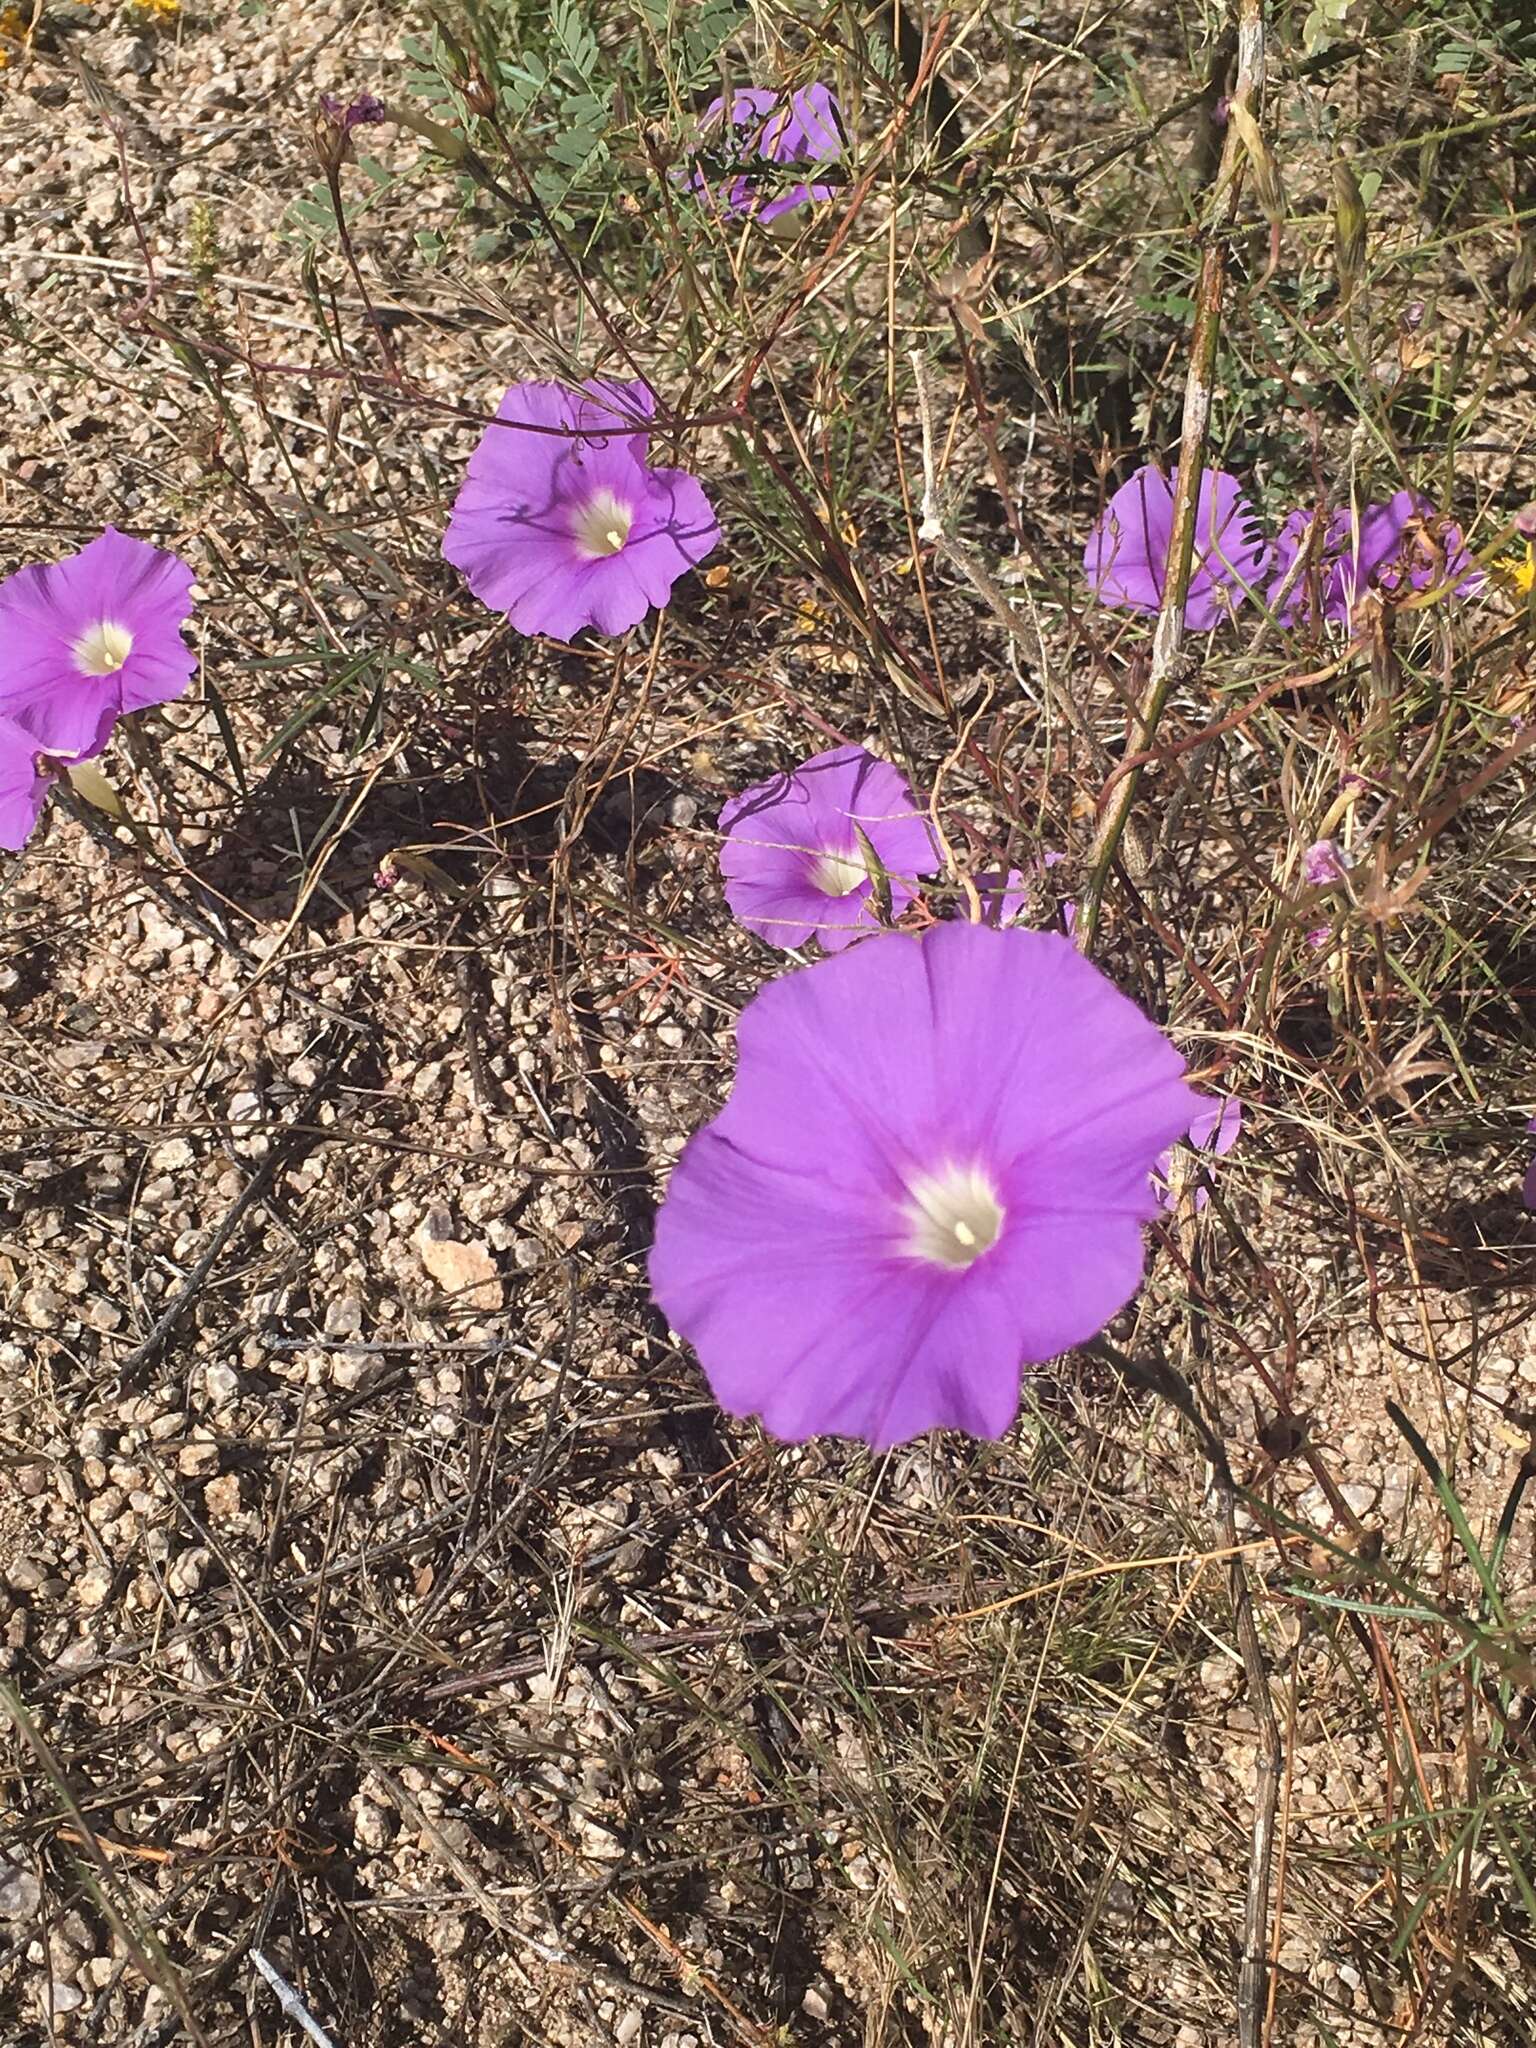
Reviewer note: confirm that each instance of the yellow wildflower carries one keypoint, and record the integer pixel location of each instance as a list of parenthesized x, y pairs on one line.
[(1519, 571), (13, 30), (163, 9)]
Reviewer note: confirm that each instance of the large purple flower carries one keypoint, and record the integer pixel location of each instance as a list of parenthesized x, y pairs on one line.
[(89, 638), (804, 128), (1126, 559), (23, 784), (792, 859), (932, 1171), (561, 522), (1394, 547)]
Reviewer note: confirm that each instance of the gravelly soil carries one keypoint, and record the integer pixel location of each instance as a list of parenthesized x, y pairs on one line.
[(382, 1591)]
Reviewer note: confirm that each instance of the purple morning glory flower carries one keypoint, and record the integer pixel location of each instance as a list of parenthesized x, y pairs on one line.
[(793, 866), (1324, 863), (1386, 546), (571, 527), (932, 1170), (1126, 559), (1214, 1128), (23, 784), (804, 128), (92, 637)]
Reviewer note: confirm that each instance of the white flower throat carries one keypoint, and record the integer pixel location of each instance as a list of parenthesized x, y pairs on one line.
[(102, 649), (601, 527), (838, 874), (954, 1216)]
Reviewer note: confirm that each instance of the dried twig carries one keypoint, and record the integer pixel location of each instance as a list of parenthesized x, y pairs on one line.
[(291, 2003), (1169, 665)]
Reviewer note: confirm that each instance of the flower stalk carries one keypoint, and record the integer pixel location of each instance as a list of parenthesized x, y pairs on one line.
[(1168, 663)]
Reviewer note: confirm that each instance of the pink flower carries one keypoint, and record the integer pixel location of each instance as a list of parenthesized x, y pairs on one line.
[(23, 784), (1386, 547), (1126, 559), (794, 857), (933, 1171), (1214, 1128), (92, 637), (571, 526), (1324, 863), (805, 128)]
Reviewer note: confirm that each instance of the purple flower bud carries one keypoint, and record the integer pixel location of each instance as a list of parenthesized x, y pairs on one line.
[(1324, 863), (1525, 522)]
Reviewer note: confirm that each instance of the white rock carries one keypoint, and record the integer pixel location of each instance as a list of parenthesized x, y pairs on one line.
[(371, 1827), (221, 1383), (20, 1892), (93, 1587)]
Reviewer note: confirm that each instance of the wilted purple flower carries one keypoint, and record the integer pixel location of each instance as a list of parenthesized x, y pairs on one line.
[(1319, 936), (570, 526), (932, 1171), (1214, 1128), (332, 126), (364, 111), (91, 637), (1324, 863), (792, 860), (23, 784), (1397, 546), (805, 128), (1126, 559)]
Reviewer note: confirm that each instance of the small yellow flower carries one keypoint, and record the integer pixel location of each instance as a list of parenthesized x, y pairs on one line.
[(13, 30), (162, 9), (1519, 571)]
